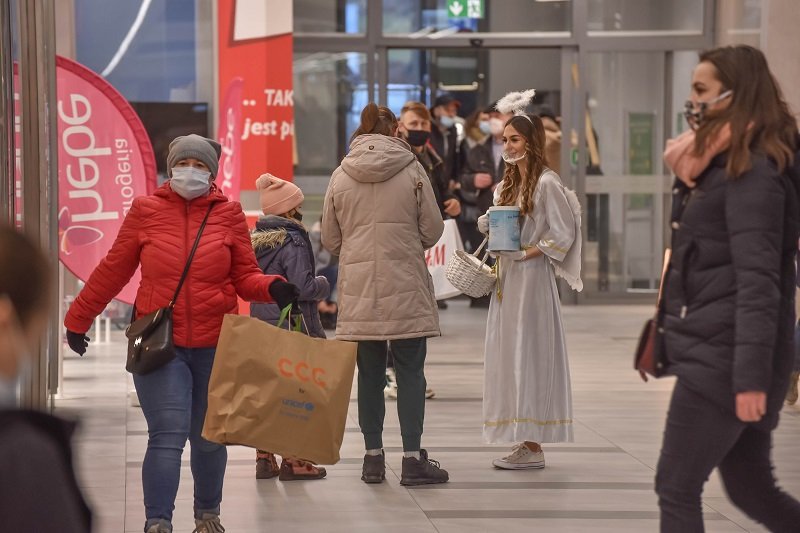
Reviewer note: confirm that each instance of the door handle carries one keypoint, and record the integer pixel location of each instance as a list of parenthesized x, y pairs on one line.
[(460, 88)]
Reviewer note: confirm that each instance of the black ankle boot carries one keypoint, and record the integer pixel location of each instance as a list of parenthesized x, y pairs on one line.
[(374, 469), (422, 471)]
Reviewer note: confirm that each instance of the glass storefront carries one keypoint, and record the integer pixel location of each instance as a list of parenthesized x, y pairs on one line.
[(330, 90), (324, 16), (670, 16)]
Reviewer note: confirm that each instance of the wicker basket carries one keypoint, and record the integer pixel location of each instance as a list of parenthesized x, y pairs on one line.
[(469, 274)]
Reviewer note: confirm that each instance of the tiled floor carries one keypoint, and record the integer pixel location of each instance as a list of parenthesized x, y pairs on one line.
[(601, 483)]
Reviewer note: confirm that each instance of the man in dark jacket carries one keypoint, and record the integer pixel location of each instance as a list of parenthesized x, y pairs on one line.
[(483, 170), (415, 128), (444, 135)]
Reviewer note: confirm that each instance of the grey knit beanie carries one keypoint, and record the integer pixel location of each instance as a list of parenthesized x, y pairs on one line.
[(197, 147)]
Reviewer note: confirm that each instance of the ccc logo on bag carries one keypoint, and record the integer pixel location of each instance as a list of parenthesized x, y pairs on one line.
[(302, 371)]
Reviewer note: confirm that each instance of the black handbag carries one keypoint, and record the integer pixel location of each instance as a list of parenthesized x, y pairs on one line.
[(150, 343), (650, 356)]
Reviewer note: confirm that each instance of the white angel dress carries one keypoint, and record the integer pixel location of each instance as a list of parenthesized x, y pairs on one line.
[(527, 392)]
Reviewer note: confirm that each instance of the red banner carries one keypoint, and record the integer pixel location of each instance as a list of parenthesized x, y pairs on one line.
[(105, 160), (229, 135), (255, 47)]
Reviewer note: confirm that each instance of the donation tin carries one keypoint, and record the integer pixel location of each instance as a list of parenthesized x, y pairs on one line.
[(504, 229)]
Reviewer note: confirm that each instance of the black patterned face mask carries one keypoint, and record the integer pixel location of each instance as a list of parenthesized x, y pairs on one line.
[(695, 113)]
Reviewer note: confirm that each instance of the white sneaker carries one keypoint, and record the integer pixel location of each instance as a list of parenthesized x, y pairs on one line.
[(521, 458), (390, 391), (429, 394)]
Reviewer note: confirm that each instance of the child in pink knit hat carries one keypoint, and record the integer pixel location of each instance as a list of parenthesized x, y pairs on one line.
[(282, 245)]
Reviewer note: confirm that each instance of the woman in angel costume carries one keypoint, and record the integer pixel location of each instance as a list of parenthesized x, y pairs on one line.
[(527, 396)]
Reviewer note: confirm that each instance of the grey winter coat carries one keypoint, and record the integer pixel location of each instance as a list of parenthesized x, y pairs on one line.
[(283, 248), (380, 215)]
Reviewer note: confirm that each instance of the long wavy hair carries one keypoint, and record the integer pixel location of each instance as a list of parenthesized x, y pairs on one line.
[(758, 115), (515, 190)]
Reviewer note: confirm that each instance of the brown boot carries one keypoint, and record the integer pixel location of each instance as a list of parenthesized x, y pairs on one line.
[(266, 465), (422, 471), (298, 470)]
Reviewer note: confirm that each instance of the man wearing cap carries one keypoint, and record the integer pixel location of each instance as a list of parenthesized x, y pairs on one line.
[(483, 170), (444, 135)]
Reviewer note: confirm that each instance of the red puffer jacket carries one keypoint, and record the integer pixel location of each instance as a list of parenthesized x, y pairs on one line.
[(159, 232)]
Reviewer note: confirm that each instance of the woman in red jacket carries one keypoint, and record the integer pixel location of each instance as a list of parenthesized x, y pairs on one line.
[(158, 233)]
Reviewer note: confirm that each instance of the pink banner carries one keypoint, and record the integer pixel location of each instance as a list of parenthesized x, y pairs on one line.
[(18, 206), (105, 160), (229, 136)]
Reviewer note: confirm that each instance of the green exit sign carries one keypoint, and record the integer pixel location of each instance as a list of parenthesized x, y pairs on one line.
[(465, 9)]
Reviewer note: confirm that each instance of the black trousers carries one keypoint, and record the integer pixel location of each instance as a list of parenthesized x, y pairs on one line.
[(701, 436)]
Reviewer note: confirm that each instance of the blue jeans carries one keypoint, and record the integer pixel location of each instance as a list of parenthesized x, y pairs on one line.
[(174, 399)]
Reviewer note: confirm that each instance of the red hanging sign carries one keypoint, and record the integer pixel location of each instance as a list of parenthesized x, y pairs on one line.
[(255, 73)]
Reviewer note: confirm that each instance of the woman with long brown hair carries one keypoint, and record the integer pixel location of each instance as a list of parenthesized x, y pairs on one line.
[(379, 217), (527, 396), (727, 314)]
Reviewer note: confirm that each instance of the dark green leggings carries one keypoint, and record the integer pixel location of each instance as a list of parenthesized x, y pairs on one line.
[(409, 365)]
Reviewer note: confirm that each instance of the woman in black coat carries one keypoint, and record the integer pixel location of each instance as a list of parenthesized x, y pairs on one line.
[(727, 314)]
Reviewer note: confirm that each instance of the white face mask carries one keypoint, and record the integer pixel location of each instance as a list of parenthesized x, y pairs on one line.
[(512, 158), (496, 126), (447, 121), (9, 386), (190, 182)]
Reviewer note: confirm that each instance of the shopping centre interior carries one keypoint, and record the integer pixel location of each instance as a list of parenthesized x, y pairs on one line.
[(615, 72)]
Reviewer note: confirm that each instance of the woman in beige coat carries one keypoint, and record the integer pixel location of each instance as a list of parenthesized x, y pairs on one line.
[(380, 215)]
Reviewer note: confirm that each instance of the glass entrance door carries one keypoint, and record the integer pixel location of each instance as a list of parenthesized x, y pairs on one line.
[(476, 77)]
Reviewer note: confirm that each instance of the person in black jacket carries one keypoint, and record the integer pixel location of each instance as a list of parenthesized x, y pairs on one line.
[(444, 135), (415, 127), (727, 314), (39, 491), (483, 170)]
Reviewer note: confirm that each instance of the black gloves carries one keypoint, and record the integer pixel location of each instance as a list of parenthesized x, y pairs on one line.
[(284, 293), (77, 342)]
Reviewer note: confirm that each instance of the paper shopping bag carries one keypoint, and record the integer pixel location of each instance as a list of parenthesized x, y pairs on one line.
[(279, 391)]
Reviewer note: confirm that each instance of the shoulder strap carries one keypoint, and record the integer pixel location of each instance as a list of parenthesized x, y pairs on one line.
[(191, 256)]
